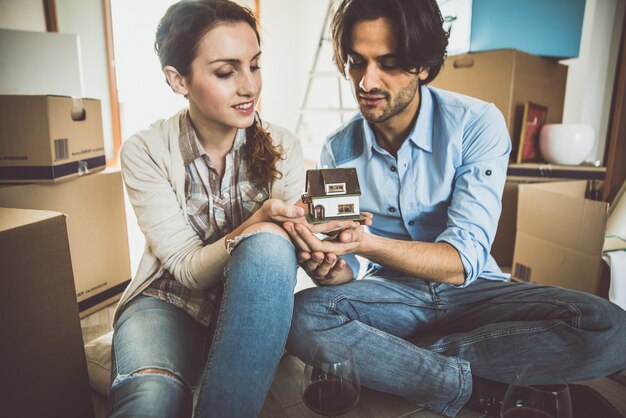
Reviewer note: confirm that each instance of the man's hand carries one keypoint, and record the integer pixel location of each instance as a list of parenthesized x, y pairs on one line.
[(315, 256), (325, 269), (345, 240)]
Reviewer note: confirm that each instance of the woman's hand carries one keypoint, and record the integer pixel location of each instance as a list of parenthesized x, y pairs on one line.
[(275, 210)]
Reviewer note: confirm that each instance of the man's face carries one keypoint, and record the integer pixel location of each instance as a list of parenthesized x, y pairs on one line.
[(385, 92)]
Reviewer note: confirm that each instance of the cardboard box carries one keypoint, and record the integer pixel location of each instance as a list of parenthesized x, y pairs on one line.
[(96, 225), (44, 371), (549, 28), (504, 241), (507, 78), (45, 139), (40, 63), (560, 235), (503, 246)]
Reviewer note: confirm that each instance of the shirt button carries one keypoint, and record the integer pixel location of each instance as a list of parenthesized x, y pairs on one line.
[(392, 209), (226, 195), (393, 168), (411, 223)]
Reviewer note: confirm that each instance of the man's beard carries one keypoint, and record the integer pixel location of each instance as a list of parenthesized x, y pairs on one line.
[(404, 99)]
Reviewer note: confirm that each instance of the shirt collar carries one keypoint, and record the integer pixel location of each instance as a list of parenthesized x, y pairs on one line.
[(190, 146), (422, 133)]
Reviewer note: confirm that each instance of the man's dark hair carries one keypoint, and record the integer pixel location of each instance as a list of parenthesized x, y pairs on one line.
[(418, 26)]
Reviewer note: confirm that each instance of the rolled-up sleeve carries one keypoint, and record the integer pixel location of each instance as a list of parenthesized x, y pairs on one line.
[(477, 194)]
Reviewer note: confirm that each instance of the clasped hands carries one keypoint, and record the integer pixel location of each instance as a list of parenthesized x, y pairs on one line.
[(319, 254)]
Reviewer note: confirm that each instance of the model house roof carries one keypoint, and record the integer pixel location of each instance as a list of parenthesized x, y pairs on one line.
[(332, 182)]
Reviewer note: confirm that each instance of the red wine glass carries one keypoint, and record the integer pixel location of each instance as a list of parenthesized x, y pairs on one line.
[(330, 384), (526, 400)]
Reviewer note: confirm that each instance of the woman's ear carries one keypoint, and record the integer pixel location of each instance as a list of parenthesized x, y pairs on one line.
[(177, 82)]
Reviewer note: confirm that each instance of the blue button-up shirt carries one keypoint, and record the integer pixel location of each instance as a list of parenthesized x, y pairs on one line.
[(445, 184)]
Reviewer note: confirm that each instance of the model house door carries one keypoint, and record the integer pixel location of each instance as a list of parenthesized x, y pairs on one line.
[(320, 212)]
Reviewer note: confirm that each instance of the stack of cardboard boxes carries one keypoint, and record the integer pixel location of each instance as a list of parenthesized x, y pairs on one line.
[(51, 160), (550, 231), (64, 244)]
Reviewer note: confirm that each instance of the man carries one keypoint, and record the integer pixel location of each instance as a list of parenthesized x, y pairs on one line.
[(433, 314)]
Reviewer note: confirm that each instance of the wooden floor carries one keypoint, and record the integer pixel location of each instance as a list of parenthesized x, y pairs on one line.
[(284, 401)]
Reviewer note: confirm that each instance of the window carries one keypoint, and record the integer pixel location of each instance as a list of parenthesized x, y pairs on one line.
[(346, 208), (336, 188)]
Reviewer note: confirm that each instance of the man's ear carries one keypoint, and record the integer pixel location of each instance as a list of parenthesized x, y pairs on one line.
[(177, 82), (423, 74)]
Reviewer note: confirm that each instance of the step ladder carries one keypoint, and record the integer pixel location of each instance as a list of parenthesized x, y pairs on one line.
[(328, 98)]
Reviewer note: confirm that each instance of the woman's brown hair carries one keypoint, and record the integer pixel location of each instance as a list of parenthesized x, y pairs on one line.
[(178, 35)]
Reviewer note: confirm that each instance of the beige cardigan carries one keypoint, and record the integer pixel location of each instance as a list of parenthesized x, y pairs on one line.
[(154, 175)]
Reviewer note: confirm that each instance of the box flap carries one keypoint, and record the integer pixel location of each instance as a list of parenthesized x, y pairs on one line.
[(567, 187), (11, 218), (613, 243), (558, 212)]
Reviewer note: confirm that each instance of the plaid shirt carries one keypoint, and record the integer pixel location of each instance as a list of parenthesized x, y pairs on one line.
[(215, 207)]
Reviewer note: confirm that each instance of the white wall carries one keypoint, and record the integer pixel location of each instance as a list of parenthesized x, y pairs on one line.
[(22, 15), (85, 19), (144, 95), (290, 34), (591, 76)]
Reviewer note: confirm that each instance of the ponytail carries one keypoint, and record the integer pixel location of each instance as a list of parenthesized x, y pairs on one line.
[(261, 155)]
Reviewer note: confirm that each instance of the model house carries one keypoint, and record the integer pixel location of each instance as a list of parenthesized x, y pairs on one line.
[(332, 193)]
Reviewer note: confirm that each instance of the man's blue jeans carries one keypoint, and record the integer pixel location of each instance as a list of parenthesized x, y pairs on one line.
[(423, 340), (156, 337)]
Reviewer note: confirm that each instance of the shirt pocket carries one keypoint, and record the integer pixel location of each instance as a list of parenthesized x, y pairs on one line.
[(252, 198)]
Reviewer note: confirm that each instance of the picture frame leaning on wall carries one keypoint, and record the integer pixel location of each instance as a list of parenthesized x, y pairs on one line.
[(535, 116)]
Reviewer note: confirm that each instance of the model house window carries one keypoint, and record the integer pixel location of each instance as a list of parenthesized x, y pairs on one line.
[(336, 188), (347, 208)]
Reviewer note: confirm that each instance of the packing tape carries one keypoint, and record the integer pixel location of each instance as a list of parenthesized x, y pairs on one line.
[(78, 110)]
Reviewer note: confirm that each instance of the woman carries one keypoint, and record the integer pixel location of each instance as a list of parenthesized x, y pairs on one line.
[(209, 309)]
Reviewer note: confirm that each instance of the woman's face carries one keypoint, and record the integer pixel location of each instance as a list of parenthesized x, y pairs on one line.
[(225, 81)]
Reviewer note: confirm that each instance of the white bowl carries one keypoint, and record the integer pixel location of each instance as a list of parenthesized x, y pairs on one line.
[(566, 143)]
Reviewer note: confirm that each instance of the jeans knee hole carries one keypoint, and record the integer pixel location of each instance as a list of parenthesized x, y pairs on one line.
[(157, 372), (233, 243)]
